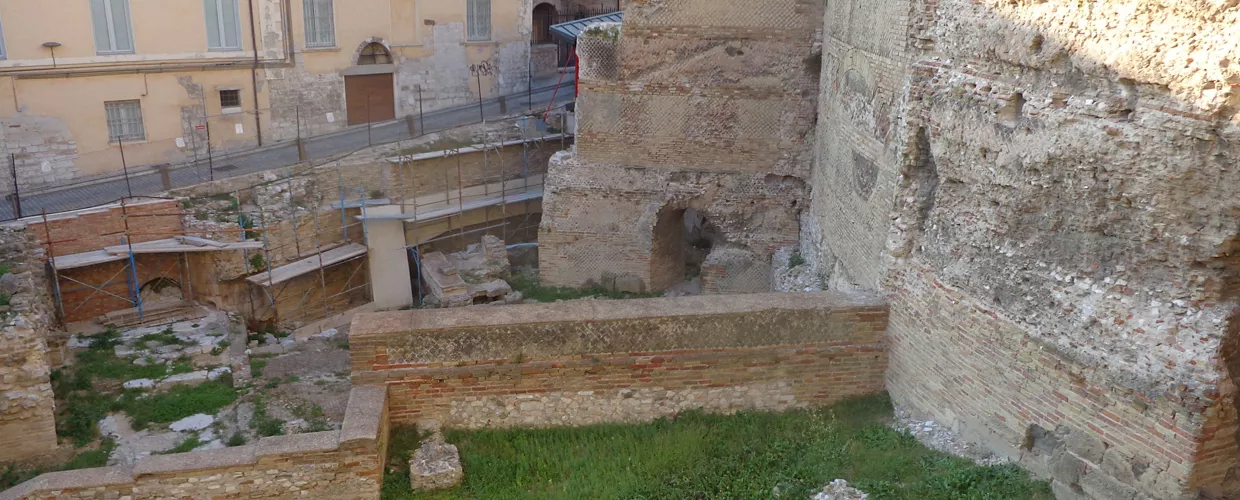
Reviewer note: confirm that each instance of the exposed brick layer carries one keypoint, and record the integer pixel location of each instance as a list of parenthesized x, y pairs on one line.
[(580, 363)]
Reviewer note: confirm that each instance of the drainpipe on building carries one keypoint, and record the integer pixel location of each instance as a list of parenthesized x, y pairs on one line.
[(258, 122)]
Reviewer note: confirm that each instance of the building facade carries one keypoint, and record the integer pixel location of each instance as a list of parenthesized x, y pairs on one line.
[(86, 87)]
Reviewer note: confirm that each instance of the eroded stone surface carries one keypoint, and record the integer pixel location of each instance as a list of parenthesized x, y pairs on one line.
[(435, 466)]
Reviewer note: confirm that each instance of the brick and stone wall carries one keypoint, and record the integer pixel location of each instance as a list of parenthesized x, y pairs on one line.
[(585, 362), (703, 105), (27, 407), (338, 465), (1047, 189)]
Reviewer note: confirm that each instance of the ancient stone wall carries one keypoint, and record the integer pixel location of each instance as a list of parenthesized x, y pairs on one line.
[(338, 465), (1048, 191), (587, 362), (27, 407), (692, 104)]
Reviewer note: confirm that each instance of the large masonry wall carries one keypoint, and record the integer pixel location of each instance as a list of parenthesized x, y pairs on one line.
[(27, 408), (1048, 190), (336, 465), (585, 362), (701, 105)]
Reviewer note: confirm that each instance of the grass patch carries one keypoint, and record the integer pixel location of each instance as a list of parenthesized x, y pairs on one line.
[(186, 446), (179, 402), (257, 366), (263, 423), (795, 260), (697, 455), (531, 289), (237, 439), (13, 475), (165, 337)]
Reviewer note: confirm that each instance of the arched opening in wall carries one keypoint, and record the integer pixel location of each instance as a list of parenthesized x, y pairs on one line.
[(683, 239), (374, 53), (544, 18), (160, 289)]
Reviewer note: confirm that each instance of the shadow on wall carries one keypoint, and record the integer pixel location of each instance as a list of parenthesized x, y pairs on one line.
[(1042, 208)]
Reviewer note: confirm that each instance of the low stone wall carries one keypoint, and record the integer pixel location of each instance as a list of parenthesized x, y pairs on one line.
[(339, 465), (585, 362)]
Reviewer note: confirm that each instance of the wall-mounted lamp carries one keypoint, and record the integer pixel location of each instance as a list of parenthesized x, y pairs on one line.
[(52, 46)]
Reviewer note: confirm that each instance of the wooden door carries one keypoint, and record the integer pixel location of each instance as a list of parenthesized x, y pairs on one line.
[(369, 98)]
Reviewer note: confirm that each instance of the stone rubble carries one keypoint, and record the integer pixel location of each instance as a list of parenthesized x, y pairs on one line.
[(840, 490), (193, 423), (436, 465), (938, 437)]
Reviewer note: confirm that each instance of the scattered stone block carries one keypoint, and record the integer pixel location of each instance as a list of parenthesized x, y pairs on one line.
[(141, 383), (193, 423), (435, 466), (630, 284), (190, 378)]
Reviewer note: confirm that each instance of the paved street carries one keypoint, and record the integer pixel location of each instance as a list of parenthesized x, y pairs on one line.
[(285, 153)]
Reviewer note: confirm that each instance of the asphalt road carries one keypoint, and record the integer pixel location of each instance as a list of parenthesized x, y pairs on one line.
[(278, 155)]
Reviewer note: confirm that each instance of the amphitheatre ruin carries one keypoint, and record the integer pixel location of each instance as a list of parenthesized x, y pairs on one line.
[(1018, 219)]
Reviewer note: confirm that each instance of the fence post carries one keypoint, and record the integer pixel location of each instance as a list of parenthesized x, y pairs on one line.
[(301, 149), (421, 114), (164, 176), (17, 196), (120, 141), (413, 132)]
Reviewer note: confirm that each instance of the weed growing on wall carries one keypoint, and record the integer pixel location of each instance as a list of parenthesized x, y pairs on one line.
[(531, 289)]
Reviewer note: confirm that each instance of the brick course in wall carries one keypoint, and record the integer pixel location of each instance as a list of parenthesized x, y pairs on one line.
[(337, 465), (623, 361), (1041, 206)]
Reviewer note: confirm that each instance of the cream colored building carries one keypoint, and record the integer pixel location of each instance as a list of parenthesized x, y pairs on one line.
[(84, 81)]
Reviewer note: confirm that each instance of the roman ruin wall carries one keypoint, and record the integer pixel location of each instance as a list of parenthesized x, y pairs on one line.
[(1047, 191), (336, 465), (586, 362), (27, 421), (693, 105)]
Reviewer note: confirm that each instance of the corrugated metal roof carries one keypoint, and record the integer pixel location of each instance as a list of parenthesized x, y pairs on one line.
[(568, 32)]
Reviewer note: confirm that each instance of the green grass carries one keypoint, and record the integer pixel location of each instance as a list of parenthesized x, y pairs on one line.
[(185, 446), (166, 337), (701, 456), (257, 366), (531, 289), (13, 475), (179, 402), (263, 423)]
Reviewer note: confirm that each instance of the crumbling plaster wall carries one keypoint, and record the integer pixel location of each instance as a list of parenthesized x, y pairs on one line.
[(693, 104), (1048, 191)]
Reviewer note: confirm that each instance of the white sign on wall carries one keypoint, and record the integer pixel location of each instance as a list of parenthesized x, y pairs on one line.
[(240, 129), (331, 118), (180, 142)]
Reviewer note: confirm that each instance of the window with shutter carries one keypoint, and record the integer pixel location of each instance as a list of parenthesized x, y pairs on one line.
[(478, 16), (113, 34), (125, 121), (223, 24), (320, 23)]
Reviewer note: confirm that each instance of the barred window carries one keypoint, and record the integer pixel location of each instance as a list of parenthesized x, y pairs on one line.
[(230, 99), (113, 34), (223, 24), (320, 23), (478, 15), (125, 121)]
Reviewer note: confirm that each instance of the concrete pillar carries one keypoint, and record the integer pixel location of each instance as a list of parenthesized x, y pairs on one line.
[(390, 284)]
